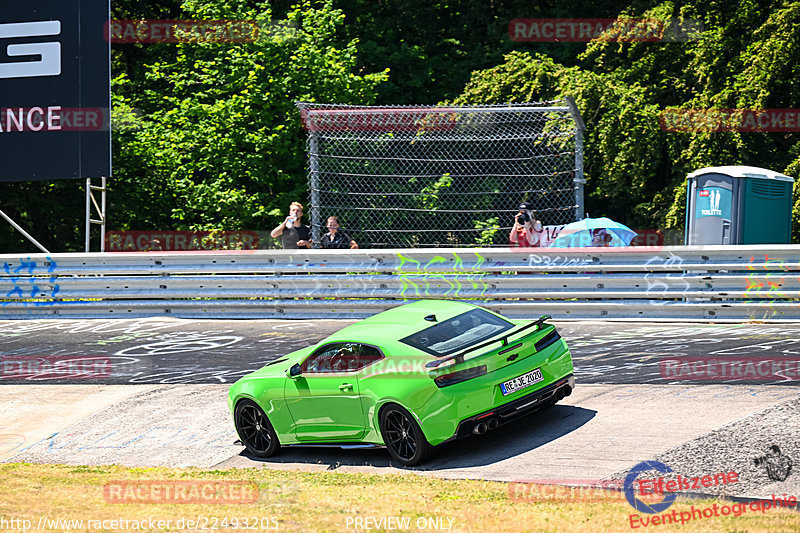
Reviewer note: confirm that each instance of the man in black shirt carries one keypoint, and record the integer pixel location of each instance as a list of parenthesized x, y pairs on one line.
[(335, 238), (293, 233)]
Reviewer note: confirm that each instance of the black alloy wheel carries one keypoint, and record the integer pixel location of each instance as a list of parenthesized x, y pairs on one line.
[(403, 437), (255, 430)]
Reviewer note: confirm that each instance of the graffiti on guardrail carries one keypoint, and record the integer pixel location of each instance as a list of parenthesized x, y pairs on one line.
[(662, 283), (718, 283), (457, 278), (28, 284), (556, 262), (763, 287), (764, 281)]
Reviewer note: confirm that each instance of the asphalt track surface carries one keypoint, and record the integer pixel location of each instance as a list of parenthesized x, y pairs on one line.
[(172, 351), (152, 392)]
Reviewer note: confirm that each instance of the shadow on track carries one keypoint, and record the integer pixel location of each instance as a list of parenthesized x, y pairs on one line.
[(510, 440)]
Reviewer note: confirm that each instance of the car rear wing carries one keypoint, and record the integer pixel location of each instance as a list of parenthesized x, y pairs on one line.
[(459, 357)]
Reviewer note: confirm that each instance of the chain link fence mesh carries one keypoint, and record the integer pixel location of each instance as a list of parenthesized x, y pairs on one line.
[(413, 176)]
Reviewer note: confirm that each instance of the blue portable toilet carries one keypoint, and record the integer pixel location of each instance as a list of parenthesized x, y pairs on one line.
[(738, 205)]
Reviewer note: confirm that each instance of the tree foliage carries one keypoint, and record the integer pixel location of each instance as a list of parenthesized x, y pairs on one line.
[(222, 145), (622, 156), (636, 171)]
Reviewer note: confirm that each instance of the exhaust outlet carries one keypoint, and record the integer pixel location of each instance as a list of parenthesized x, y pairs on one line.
[(479, 429), (492, 424), (559, 394), (567, 390)]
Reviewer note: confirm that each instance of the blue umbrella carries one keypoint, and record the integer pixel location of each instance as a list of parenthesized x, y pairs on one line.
[(594, 232)]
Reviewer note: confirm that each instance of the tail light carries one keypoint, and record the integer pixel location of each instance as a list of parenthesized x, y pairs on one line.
[(459, 376), (547, 340)]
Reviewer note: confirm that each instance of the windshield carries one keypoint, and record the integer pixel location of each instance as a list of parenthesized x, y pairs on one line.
[(458, 333)]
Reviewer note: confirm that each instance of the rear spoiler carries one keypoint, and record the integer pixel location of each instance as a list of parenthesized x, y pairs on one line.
[(538, 322)]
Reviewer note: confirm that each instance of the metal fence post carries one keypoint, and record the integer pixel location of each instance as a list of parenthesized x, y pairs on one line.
[(88, 214), (101, 211), (313, 185), (579, 180), (103, 215)]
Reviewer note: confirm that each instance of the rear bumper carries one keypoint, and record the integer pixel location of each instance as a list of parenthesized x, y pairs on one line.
[(506, 412)]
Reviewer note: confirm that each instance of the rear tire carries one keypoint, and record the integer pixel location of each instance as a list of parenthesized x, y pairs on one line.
[(403, 437), (255, 429)]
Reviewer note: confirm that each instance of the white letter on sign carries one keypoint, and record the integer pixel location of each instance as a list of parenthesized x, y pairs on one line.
[(50, 53)]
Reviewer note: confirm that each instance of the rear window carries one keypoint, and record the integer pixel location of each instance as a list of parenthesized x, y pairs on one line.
[(458, 333)]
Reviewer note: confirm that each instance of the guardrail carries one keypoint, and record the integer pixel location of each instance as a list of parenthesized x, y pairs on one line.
[(673, 283)]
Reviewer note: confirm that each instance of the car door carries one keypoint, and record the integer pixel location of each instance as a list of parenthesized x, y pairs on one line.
[(324, 399)]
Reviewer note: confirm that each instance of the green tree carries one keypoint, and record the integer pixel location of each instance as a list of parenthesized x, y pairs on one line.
[(222, 144), (622, 135), (745, 58), (636, 171), (431, 48)]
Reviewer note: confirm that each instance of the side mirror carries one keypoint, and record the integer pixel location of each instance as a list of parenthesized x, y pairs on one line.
[(294, 371)]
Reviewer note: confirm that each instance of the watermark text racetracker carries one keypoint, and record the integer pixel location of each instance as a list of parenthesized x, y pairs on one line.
[(565, 490), (731, 368), (716, 120), (142, 241), (197, 31), (186, 492), (621, 29), (54, 367)]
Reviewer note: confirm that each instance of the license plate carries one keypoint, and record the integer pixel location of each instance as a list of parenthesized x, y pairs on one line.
[(521, 382)]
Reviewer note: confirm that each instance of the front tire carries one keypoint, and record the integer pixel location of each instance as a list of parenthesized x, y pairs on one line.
[(255, 429), (403, 437)]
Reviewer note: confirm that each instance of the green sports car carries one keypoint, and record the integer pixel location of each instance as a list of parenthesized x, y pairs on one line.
[(408, 379)]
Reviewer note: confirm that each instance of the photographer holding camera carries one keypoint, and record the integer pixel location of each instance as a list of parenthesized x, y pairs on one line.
[(527, 229)]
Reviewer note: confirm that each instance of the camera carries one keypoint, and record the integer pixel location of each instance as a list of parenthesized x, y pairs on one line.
[(522, 218)]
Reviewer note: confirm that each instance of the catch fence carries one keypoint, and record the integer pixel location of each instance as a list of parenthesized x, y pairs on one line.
[(442, 176)]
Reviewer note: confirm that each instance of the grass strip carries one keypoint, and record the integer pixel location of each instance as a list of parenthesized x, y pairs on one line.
[(39, 495)]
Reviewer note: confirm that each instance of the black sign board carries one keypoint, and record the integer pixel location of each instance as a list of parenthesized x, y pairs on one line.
[(54, 90)]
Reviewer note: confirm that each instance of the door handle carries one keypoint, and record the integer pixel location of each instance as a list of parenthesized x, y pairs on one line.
[(345, 386)]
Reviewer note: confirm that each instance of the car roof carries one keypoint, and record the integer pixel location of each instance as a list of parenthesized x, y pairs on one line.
[(402, 321)]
